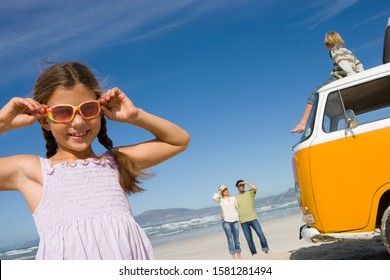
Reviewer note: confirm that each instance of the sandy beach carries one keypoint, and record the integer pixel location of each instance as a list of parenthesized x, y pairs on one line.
[(283, 239)]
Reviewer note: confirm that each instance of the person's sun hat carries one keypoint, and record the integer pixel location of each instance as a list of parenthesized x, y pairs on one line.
[(222, 187)]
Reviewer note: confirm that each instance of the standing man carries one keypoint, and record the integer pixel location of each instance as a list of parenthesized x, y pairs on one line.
[(248, 217)]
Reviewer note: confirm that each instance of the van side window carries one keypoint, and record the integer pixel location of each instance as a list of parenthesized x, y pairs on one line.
[(370, 102)]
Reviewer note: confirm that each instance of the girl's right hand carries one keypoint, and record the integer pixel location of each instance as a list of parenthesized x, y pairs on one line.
[(20, 112)]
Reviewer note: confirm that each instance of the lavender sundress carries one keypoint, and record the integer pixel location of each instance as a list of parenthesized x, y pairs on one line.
[(85, 214)]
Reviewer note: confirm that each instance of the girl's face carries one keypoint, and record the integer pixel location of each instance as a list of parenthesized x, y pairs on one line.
[(76, 136)]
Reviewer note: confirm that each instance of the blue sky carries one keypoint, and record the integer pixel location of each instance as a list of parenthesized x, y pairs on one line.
[(234, 74)]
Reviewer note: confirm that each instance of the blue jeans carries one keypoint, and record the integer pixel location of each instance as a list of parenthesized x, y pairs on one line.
[(246, 228), (310, 99), (231, 231)]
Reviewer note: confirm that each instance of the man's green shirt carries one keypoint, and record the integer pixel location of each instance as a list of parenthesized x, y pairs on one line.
[(246, 205)]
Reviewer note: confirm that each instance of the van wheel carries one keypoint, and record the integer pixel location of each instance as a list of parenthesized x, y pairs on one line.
[(385, 229)]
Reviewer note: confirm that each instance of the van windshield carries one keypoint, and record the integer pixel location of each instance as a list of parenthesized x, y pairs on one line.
[(310, 122)]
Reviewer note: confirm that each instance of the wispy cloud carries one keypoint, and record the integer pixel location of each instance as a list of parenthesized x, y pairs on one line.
[(49, 25), (322, 11), (59, 29), (369, 45), (370, 19)]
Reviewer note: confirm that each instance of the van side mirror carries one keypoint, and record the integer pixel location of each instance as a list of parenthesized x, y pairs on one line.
[(351, 119), (386, 45)]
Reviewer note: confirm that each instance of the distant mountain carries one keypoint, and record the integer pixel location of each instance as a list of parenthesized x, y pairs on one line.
[(31, 243), (285, 197), (162, 216)]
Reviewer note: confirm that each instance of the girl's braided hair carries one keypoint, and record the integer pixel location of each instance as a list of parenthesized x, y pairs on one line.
[(67, 75)]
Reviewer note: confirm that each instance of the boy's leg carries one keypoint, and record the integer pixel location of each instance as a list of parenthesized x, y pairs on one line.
[(302, 124)]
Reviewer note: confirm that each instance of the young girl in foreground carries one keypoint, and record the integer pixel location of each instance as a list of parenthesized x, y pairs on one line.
[(79, 199)]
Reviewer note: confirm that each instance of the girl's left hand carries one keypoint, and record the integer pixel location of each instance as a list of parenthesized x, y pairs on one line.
[(117, 106)]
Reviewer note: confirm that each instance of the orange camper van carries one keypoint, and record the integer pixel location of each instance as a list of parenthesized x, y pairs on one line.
[(341, 165)]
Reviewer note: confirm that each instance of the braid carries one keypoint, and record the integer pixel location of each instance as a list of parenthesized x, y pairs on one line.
[(102, 136), (128, 172), (51, 143)]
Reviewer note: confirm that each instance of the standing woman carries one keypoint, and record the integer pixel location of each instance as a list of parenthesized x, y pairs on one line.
[(229, 207)]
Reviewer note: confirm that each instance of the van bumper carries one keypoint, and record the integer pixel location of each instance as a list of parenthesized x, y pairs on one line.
[(308, 233), (312, 235)]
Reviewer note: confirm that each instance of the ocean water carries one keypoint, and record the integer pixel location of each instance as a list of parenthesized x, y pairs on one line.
[(20, 254), (171, 232)]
